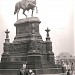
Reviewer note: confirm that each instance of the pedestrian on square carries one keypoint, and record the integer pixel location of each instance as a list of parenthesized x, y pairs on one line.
[(63, 68), (31, 72), (72, 68), (23, 70), (68, 66), (68, 72)]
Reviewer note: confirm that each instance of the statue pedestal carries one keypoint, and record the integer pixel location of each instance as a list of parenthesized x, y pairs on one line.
[(24, 29), (29, 48)]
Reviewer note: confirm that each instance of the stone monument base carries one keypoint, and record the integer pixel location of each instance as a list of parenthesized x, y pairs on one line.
[(37, 71), (28, 48)]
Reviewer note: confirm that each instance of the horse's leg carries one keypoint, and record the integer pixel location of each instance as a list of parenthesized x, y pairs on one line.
[(17, 13), (36, 9), (24, 13)]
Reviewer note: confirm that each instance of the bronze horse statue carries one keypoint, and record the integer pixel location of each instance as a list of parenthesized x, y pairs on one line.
[(25, 5)]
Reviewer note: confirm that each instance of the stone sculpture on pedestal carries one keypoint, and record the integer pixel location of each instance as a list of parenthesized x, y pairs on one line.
[(28, 47), (25, 5)]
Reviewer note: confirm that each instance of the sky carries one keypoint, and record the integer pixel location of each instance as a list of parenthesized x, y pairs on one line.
[(57, 15)]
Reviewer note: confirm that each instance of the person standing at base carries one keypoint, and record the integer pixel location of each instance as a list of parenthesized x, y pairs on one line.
[(23, 70), (68, 66), (31, 72), (68, 72), (72, 68), (63, 68)]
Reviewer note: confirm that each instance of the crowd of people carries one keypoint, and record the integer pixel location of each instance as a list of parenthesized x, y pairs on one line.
[(24, 71), (69, 69)]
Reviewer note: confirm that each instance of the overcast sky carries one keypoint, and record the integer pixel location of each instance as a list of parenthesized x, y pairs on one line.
[(57, 15)]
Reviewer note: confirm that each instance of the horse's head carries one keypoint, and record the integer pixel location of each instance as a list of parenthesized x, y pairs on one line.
[(17, 6)]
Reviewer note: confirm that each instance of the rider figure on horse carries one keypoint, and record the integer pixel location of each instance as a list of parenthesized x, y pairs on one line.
[(25, 5)]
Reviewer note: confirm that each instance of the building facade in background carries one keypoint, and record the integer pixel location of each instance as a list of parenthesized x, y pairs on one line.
[(65, 58)]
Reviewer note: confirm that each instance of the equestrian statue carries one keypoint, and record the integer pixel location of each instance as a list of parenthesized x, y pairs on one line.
[(25, 5)]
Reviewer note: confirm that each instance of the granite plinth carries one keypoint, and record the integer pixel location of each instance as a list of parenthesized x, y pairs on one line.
[(37, 71), (29, 48), (28, 20), (11, 65), (9, 71), (24, 28)]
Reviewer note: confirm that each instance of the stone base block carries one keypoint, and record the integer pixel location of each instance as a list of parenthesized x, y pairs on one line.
[(36, 71), (11, 65)]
